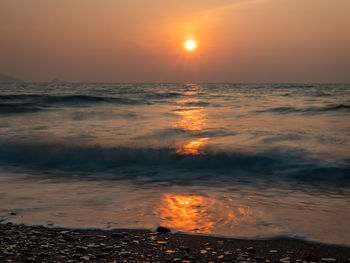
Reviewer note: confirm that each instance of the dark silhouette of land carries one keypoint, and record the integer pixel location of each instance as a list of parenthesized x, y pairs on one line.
[(9, 79)]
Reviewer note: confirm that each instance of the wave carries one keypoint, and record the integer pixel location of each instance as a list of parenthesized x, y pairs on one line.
[(306, 110), (6, 108), (338, 107), (195, 103), (71, 100), (171, 132), (164, 95), (166, 164)]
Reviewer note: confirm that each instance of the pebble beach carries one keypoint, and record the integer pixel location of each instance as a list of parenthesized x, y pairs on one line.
[(21, 243)]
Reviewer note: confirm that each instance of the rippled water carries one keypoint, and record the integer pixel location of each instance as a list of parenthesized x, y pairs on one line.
[(242, 160)]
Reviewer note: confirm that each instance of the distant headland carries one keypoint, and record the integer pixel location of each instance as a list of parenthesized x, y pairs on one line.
[(9, 79)]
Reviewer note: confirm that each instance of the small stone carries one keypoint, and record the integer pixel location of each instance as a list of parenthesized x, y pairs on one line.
[(107, 249), (251, 249), (163, 230), (102, 255), (311, 258), (68, 238), (170, 252), (36, 233), (80, 249), (204, 251), (221, 257), (87, 258), (43, 254), (328, 260), (125, 253), (285, 260), (161, 242), (117, 235), (186, 249), (273, 251)]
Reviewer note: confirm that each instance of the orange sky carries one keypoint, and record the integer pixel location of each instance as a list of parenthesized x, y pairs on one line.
[(142, 40)]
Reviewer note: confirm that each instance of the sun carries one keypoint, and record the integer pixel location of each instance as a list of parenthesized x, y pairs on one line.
[(190, 45)]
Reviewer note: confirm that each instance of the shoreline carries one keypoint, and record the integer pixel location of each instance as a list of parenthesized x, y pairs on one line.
[(21, 243)]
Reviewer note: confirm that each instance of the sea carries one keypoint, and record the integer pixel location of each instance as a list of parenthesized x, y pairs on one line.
[(238, 160)]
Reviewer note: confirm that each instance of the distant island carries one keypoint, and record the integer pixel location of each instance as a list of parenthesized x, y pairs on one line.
[(9, 79)]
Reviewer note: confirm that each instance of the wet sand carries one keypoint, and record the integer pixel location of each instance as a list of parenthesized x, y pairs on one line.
[(19, 243)]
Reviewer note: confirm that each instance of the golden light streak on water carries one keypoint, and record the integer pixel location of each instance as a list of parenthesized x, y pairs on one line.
[(186, 213), (193, 147), (191, 119), (199, 214)]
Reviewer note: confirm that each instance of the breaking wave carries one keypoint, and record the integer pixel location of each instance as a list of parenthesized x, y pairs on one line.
[(70, 100), (290, 166), (306, 110), (19, 108)]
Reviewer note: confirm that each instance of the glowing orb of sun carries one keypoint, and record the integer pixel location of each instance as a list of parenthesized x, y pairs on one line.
[(190, 45)]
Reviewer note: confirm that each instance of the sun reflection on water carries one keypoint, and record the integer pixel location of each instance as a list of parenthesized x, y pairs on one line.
[(192, 119), (199, 214), (193, 147), (186, 213)]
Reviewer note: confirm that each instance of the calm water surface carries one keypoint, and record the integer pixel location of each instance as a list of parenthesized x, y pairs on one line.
[(240, 160)]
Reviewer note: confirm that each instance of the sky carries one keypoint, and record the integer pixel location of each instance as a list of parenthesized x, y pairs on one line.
[(142, 40)]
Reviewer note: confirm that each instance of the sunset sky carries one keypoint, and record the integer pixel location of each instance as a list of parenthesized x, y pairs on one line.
[(143, 40)]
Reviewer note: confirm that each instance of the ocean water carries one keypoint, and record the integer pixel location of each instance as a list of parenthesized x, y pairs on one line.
[(238, 160)]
